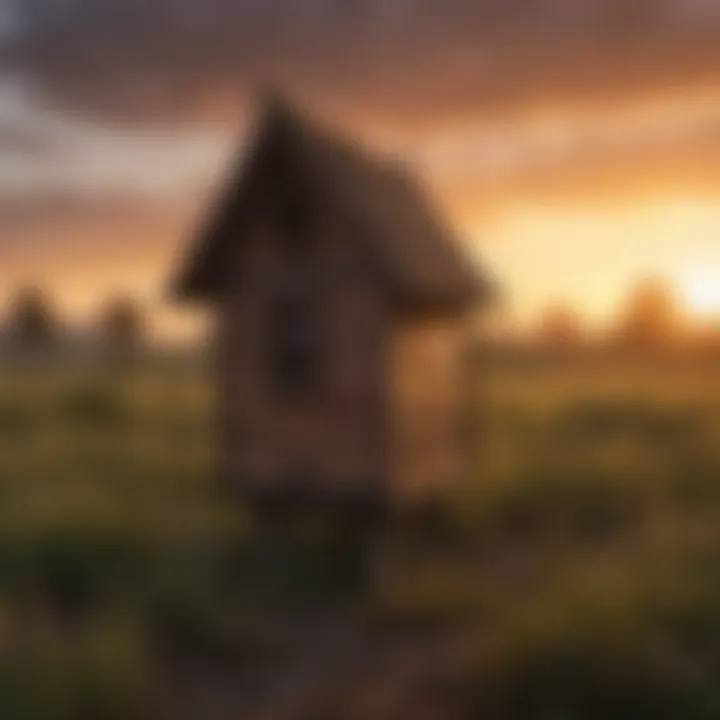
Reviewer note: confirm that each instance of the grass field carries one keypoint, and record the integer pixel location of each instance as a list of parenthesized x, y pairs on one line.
[(577, 575)]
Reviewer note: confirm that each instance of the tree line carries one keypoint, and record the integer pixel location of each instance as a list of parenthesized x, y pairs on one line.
[(652, 318), (33, 322)]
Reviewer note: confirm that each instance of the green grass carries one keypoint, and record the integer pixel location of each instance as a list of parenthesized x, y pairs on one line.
[(575, 576), (578, 576)]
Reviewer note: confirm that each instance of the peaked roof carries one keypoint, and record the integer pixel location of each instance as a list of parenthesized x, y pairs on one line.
[(420, 258)]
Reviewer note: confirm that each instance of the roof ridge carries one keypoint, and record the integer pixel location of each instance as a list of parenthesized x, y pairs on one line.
[(375, 188)]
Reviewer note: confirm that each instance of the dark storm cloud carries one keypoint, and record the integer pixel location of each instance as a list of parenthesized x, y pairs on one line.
[(394, 59)]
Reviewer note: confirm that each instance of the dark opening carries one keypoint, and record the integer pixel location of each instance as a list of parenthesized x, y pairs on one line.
[(294, 345), (295, 218)]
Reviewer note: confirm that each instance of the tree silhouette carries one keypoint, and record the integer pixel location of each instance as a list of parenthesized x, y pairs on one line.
[(32, 320), (122, 325), (560, 327), (652, 318)]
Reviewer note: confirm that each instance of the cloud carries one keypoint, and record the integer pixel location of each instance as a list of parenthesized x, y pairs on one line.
[(110, 99), (24, 210), (19, 142), (139, 60), (9, 20), (67, 240)]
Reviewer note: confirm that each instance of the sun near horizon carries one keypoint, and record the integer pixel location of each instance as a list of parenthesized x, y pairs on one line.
[(590, 257), (700, 290)]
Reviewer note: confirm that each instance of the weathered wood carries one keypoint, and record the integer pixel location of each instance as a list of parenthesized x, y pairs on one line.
[(335, 438), (379, 418), (426, 390)]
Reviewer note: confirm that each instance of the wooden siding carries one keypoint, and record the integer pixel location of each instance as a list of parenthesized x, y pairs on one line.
[(427, 402), (335, 439)]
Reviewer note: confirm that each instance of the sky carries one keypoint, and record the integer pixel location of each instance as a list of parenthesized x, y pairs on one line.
[(574, 145)]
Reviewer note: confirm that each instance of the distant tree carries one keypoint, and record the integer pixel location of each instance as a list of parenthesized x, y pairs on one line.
[(652, 316), (560, 327), (122, 325), (32, 321)]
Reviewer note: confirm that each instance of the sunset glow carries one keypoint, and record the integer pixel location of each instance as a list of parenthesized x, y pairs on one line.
[(591, 255), (575, 163), (701, 292)]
